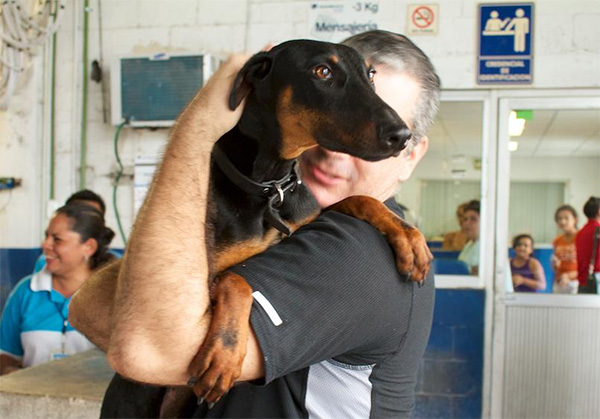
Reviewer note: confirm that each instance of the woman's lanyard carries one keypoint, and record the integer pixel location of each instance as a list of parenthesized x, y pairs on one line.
[(65, 319)]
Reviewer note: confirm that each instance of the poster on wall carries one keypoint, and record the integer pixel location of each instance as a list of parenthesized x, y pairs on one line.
[(505, 35), (337, 20)]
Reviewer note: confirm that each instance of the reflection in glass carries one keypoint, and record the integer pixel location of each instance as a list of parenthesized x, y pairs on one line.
[(449, 176), (556, 162)]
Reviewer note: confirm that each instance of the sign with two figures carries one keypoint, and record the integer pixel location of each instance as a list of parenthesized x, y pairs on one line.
[(505, 44)]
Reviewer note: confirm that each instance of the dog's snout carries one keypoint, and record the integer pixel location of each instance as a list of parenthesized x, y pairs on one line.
[(398, 138)]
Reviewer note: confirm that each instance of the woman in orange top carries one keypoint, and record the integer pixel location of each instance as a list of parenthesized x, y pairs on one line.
[(564, 259)]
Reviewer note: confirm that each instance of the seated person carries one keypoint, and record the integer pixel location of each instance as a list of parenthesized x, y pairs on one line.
[(86, 197), (584, 243), (470, 227), (564, 259), (527, 272), (34, 327), (456, 240)]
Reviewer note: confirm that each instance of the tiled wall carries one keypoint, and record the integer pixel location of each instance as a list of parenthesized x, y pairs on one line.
[(450, 378)]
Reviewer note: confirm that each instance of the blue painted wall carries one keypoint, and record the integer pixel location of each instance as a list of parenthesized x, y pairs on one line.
[(14, 265), (450, 380)]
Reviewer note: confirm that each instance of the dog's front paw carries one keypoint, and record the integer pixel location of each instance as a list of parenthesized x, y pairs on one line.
[(412, 253), (217, 365), (413, 256)]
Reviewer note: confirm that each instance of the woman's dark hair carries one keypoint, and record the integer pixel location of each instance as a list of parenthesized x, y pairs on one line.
[(566, 207), (519, 237), (87, 195), (473, 205), (89, 223), (591, 207)]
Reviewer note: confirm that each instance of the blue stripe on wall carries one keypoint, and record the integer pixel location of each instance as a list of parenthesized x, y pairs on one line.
[(14, 265), (450, 378)]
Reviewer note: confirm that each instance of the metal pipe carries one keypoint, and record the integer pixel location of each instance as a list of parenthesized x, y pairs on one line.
[(83, 142)]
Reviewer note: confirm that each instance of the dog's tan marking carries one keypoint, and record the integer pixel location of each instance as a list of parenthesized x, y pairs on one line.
[(334, 59), (309, 219), (296, 126), (228, 256), (298, 123)]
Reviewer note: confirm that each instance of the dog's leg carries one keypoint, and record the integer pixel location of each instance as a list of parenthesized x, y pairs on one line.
[(218, 363), (412, 253)]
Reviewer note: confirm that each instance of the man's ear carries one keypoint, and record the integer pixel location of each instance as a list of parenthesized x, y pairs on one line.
[(257, 68), (410, 158)]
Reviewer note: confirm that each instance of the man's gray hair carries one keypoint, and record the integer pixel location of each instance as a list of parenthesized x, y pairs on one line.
[(400, 53)]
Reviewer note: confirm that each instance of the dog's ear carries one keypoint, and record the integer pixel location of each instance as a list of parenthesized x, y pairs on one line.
[(257, 68)]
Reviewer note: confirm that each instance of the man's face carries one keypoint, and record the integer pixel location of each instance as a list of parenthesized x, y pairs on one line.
[(333, 176)]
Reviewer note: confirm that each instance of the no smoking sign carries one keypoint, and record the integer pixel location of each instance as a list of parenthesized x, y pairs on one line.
[(422, 19)]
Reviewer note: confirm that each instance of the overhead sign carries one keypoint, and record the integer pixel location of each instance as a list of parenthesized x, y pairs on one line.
[(422, 19), (505, 43), (337, 20)]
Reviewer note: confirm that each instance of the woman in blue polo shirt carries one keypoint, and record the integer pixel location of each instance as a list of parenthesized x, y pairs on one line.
[(35, 327)]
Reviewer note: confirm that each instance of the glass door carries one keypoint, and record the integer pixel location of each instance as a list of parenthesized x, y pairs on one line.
[(548, 160)]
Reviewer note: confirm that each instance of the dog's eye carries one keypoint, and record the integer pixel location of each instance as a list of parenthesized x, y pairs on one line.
[(322, 72), (372, 75)]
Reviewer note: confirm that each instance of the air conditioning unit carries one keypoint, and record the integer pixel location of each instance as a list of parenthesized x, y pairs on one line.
[(151, 91)]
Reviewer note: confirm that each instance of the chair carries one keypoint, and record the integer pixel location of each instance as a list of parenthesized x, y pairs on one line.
[(443, 266), (445, 254)]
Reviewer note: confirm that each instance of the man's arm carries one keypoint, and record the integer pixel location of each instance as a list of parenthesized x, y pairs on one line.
[(161, 310), (91, 308)]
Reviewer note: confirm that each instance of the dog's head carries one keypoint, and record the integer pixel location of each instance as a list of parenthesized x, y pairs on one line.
[(307, 93)]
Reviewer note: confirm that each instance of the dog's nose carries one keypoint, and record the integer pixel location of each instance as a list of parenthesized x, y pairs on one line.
[(397, 139)]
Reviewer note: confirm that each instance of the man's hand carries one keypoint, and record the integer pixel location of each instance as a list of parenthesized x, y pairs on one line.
[(214, 98)]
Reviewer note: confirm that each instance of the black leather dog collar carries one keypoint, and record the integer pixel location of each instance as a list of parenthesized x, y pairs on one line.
[(274, 190)]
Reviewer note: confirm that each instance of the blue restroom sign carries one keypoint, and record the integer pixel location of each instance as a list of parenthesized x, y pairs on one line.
[(505, 43)]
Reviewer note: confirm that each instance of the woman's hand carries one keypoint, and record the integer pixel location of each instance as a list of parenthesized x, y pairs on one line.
[(564, 279), (555, 262)]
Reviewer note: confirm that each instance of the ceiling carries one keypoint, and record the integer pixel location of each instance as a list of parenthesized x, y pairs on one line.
[(559, 133)]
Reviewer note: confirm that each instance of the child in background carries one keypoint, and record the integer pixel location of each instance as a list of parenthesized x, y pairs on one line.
[(527, 272), (564, 259)]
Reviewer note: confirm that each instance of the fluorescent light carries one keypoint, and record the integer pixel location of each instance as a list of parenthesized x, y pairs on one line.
[(515, 125), (513, 145)]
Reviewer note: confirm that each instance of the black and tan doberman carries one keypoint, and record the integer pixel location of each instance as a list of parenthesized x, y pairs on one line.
[(298, 95)]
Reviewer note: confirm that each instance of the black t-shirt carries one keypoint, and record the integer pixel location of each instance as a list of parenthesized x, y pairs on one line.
[(341, 333)]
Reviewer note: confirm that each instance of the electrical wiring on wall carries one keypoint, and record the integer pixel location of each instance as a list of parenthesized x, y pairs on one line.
[(25, 26)]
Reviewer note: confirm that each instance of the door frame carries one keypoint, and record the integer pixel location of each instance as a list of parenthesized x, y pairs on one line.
[(496, 304)]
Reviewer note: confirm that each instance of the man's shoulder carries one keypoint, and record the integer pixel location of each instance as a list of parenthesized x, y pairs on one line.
[(339, 219)]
